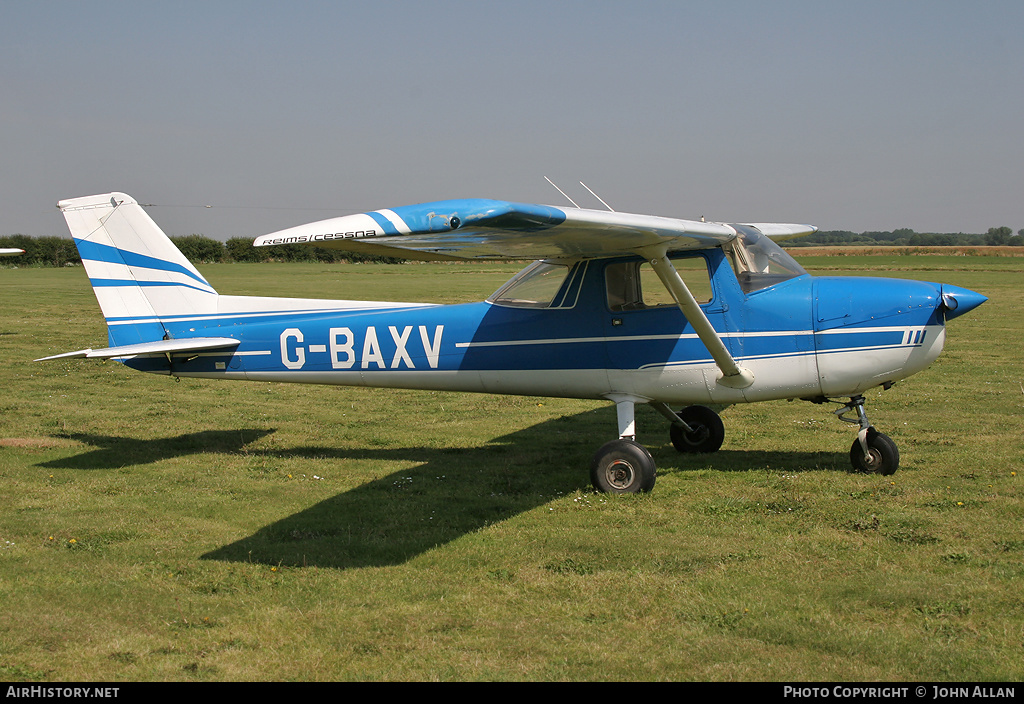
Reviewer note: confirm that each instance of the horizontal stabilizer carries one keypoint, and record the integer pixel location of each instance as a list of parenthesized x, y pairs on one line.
[(194, 344)]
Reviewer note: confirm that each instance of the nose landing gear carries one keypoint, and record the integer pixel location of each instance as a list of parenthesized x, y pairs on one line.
[(872, 452)]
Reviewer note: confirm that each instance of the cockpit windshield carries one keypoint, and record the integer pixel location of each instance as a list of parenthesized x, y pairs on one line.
[(758, 261)]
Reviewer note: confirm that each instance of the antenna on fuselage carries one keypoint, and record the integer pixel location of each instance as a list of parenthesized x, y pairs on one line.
[(562, 192), (598, 197)]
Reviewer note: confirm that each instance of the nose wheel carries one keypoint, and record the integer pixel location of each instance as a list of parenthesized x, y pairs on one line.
[(882, 455), (872, 452)]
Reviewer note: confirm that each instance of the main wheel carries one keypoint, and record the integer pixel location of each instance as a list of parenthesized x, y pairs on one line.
[(706, 434), (883, 455), (622, 467)]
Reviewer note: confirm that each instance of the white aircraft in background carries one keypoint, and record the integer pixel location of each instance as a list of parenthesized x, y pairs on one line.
[(627, 308)]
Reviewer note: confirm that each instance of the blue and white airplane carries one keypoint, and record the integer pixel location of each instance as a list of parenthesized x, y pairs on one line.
[(628, 308)]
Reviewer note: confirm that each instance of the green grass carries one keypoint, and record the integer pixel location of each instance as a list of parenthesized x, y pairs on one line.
[(201, 530)]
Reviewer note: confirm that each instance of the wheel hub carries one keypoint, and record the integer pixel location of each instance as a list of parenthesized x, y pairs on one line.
[(873, 460), (620, 474), (697, 435)]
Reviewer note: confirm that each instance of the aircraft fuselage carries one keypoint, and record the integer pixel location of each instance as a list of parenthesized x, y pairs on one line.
[(804, 337)]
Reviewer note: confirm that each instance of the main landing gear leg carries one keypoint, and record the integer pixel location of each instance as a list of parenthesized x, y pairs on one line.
[(872, 451), (623, 466)]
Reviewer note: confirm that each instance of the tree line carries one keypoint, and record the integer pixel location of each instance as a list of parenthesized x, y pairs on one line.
[(60, 251), (199, 249), (996, 236)]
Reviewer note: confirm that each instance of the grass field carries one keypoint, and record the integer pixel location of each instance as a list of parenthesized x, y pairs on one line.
[(202, 530)]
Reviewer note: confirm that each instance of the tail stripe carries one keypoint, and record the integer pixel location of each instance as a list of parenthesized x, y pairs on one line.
[(100, 283), (112, 255)]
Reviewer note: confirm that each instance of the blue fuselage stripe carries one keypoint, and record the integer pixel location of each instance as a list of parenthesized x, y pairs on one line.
[(477, 337)]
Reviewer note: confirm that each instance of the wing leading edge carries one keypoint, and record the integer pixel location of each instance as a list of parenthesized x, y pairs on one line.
[(491, 229)]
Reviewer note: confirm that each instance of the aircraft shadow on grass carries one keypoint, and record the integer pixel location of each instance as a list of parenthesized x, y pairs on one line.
[(111, 452), (455, 492), (449, 493)]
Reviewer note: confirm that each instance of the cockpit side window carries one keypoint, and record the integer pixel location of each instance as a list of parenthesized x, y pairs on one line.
[(758, 261), (533, 287), (635, 286)]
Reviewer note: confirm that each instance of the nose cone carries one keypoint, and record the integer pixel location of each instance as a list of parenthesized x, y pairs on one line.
[(956, 301)]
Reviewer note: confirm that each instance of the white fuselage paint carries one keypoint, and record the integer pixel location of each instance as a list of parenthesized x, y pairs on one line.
[(360, 362)]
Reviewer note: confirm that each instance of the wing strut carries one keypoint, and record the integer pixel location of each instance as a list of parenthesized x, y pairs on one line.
[(733, 375)]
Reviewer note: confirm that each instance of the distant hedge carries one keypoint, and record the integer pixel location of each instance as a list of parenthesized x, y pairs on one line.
[(240, 249), (42, 251), (995, 236), (199, 249)]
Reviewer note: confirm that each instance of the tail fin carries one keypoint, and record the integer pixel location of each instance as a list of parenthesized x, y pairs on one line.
[(139, 277)]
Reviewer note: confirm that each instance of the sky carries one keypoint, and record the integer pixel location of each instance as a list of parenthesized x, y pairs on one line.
[(235, 119)]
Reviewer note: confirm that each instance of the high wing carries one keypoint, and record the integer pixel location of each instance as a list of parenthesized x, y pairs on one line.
[(491, 229)]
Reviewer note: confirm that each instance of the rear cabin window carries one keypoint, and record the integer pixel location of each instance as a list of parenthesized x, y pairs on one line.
[(636, 286)]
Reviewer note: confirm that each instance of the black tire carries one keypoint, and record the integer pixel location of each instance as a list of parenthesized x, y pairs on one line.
[(707, 434), (883, 455), (623, 467)]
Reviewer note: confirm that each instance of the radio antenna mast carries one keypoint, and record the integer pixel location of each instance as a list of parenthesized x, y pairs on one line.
[(598, 197), (562, 192)]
